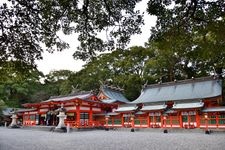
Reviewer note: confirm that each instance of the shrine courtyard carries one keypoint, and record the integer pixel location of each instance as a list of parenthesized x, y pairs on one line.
[(22, 139)]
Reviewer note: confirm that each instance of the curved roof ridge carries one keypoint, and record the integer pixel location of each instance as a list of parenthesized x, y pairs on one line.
[(186, 81), (185, 90), (114, 93)]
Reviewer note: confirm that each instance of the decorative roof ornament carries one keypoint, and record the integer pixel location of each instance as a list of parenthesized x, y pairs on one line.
[(13, 111), (113, 94), (101, 83), (146, 84), (75, 89)]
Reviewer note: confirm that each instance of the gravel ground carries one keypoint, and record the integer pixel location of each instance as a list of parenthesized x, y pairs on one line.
[(20, 139)]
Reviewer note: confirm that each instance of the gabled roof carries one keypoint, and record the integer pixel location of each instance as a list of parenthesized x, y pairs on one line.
[(9, 111), (200, 88), (113, 94), (60, 99), (83, 96)]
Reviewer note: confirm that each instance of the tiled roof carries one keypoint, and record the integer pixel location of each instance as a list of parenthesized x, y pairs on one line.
[(181, 90), (112, 114), (109, 101), (113, 95), (188, 105), (153, 107), (66, 98), (126, 108), (9, 111), (214, 109)]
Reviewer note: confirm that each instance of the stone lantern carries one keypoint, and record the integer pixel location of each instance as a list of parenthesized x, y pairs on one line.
[(14, 120), (62, 116)]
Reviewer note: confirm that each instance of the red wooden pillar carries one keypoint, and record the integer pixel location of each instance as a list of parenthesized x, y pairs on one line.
[(171, 123), (107, 122), (148, 120), (23, 119), (217, 120), (122, 120), (197, 119), (90, 116), (132, 122), (139, 120), (161, 121), (154, 117), (188, 120), (78, 114), (112, 121), (181, 121)]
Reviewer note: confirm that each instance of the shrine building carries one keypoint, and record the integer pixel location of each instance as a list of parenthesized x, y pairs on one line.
[(192, 103), (83, 109)]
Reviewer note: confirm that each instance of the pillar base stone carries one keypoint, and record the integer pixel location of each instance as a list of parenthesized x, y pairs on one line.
[(61, 130)]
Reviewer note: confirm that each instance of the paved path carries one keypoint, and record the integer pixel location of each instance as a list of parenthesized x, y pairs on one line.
[(20, 139)]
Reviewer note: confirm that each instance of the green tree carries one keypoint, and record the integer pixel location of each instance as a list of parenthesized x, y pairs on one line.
[(17, 86), (193, 30), (57, 83), (123, 68), (26, 24)]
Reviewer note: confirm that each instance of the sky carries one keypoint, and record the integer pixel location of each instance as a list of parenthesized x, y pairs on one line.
[(64, 60)]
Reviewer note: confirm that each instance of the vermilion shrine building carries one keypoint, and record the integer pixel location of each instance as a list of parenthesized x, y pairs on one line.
[(83, 109), (193, 103)]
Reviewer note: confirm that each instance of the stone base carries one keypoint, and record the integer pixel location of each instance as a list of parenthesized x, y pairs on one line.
[(62, 129), (14, 126), (207, 132), (165, 131)]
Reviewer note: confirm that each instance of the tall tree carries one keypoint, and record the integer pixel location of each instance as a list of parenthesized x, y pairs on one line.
[(194, 27), (24, 25), (17, 86), (57, 83), (123, 68)]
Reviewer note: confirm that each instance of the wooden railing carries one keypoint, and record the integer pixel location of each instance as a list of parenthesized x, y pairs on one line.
[(29, 123), (85, 124)]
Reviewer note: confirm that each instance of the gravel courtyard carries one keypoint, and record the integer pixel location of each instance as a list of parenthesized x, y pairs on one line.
[(20, 139)]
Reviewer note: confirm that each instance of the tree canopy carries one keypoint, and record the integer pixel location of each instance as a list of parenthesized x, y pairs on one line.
[(187, 41), (191, 26), (25, 25)]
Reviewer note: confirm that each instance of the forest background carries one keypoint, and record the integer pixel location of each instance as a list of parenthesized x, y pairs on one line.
[(187, 41)]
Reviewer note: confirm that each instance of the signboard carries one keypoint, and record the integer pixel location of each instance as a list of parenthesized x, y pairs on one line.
[(70, 114), (155, 114), (96, 109), (190, 113), (43, 110), (84, 108), (70, 108)]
